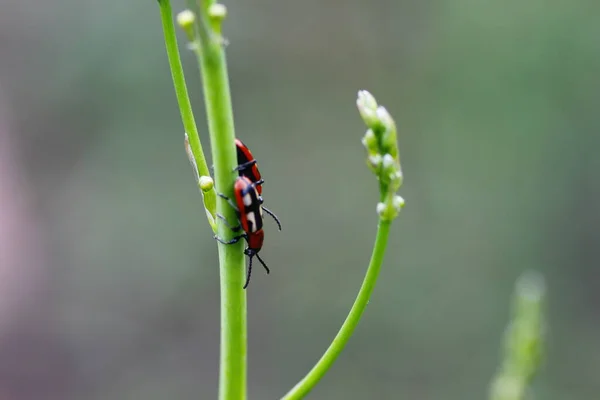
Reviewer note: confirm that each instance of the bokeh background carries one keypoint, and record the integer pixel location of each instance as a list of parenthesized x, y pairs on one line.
[(108, 270)]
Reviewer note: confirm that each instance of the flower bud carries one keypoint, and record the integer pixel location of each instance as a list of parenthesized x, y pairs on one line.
[(367, 107), (370, 142), (370, 118), (387, 211), (374, 161), (186, 20), (389, 164), (385, 118), (389, 142), (396, 179), (366, 100), (388, 168), (398, 202), (206, 183), (381, 207), (217, 11)]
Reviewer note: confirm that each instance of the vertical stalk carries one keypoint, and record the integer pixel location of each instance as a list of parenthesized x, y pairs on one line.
[(213, 66)]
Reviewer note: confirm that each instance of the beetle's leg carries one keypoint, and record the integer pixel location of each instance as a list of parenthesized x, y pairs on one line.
[(232, 241), (245, 165), (231, 203), (233, 228), (257, 183)]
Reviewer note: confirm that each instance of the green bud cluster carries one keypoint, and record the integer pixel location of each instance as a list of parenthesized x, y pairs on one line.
[(383, 157), (523, 342)]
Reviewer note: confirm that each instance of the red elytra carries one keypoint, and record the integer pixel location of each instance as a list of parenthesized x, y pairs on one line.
[(248, 168), (250, 211), (247, 165), (250, 214)]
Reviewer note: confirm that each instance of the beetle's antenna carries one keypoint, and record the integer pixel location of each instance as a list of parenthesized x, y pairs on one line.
[(249, 273), (262, 262), (273, 216)]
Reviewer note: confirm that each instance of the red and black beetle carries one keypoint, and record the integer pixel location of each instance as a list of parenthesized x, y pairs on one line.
[(248, 167), (248, 207)]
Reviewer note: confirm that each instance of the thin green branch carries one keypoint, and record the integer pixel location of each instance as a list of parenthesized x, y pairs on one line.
[(213, 65), (383, 158), (185, 107), (322, 366)]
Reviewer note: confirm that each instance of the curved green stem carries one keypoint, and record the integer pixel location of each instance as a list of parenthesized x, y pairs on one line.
[(185, 107), (322, 366), (232, 374)]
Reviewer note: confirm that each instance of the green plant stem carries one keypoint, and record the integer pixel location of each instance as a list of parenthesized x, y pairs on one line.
[(185, 107), (322, 366), (232, 374)]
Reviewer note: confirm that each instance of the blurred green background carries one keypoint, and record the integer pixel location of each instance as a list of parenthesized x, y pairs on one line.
[(109, 268)]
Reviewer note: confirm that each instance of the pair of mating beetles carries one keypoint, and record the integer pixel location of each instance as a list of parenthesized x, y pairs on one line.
[(247, 191)]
